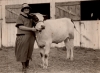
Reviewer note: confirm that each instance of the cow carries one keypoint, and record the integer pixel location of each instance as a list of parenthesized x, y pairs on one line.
[(53, 31)]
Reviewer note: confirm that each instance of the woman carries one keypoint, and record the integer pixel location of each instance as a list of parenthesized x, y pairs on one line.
[(25, 37)]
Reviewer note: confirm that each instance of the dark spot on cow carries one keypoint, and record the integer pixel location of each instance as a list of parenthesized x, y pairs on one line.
[(41, 54), (42, 46), (43, 27), (46, 56), (34, 19)]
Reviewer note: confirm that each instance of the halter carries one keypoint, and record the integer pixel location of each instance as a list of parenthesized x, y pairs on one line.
[(38, 22)]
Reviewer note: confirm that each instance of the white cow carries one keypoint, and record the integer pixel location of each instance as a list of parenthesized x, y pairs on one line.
[(56, 31)]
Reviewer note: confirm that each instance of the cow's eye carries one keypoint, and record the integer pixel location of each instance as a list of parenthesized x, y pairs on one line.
[(36, 19)]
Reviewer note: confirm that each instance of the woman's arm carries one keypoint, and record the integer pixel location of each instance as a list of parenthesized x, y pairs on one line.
[(20, 25), (27, 28)]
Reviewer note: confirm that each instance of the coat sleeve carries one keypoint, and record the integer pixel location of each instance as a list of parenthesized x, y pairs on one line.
[(19, 22)]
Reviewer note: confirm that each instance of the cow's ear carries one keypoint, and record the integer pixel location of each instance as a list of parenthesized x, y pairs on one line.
[(45, 17)]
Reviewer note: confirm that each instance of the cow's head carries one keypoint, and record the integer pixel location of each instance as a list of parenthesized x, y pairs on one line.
[(38, 21)]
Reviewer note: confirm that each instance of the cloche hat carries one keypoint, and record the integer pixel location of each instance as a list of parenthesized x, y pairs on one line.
[(25, 5)]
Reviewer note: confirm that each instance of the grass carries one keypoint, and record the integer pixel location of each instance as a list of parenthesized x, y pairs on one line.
[(85, 61)]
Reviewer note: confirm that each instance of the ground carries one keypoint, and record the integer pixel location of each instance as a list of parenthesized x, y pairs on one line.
[(85, 61)]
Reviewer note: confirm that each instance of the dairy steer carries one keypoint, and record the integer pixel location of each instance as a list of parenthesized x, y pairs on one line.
[(53, 31)]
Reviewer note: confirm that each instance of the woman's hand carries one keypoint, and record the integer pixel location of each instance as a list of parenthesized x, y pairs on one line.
[(33, 29)]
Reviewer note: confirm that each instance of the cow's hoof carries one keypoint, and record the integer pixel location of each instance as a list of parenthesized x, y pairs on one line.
[(41, 65), (24, 70), (71, 59), (67, 58), (44, 67)]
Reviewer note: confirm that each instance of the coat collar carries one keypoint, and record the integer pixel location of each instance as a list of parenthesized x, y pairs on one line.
[(25, 15)]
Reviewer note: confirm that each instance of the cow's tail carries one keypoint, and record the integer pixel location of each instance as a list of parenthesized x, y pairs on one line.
[(79, 32)]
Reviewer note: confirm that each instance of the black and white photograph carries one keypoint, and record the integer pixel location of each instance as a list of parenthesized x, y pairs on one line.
[(49, 36)]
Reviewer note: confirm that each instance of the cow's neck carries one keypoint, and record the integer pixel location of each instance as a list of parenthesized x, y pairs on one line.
[(38, 35)]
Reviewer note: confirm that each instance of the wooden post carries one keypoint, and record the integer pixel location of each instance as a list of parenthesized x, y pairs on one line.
[(4, 27), (98, 31), (52, 9), (0, 26), (80, 35)]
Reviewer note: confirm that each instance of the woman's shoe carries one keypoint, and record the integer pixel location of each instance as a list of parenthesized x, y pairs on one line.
[(27, 64), (23, 67)]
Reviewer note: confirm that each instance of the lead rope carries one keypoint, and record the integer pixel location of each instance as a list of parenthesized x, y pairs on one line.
[(80, 33)]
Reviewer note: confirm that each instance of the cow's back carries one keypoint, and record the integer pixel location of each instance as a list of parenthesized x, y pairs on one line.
[(58, 29)]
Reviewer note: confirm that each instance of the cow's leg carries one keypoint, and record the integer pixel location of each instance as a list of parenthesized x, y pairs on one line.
[(67, 48), (71, 41), (46, 56), (42, 56), (72, 54), (71, 44)]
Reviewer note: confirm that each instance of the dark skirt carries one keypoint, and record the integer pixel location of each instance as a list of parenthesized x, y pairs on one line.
[(24, 47)]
